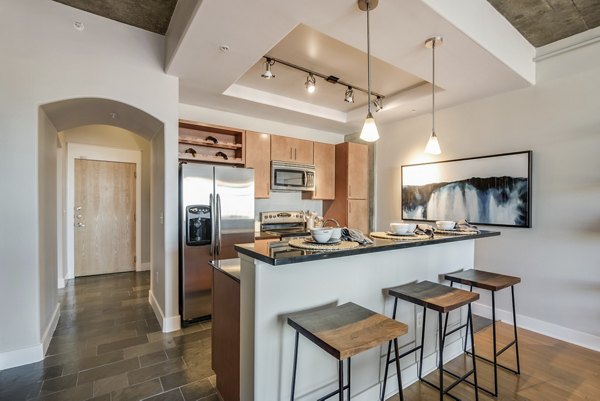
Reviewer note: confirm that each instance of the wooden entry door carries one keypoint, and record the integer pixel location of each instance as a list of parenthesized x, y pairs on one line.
[(104, 217)]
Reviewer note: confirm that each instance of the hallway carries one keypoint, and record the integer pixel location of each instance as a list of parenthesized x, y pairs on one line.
[(108, 347)]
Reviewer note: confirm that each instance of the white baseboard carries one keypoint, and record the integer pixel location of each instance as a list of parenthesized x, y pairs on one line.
[(168, 324), (47, 336), (60, 283), (35, 353), (22, 356), (539, 326), (144, 266)]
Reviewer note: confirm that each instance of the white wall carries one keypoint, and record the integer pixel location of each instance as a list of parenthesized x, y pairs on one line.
[(115, 137), (44, 60), (559, 120)]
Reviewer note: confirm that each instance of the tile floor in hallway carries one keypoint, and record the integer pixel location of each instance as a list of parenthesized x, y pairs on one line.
[(108, 346)]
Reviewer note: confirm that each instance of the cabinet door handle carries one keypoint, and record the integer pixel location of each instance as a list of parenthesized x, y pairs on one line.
[(295, 158), (291, 153)]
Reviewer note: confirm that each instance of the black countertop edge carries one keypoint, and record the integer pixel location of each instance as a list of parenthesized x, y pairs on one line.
[(231, 267), (380, 245)]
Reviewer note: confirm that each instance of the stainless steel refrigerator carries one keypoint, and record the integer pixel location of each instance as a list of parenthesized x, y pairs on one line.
[(216, 211)]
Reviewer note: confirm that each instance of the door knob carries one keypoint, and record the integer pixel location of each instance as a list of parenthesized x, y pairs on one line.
[(79, 216), (78, 208), (80, 225)]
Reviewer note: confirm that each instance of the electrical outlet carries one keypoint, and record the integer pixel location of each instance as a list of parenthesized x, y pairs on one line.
[(419, 319)]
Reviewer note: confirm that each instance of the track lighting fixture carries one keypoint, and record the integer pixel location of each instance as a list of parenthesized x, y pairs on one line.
[(349, 95), (369, 131), (433, 146), (378, 103), (311, 79), (311, 83), (268, 74)]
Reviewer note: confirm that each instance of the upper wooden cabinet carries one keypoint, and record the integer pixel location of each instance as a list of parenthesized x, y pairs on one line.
[(258, 157), (200, 142), (324, 156), (288, 149), (358, 171)]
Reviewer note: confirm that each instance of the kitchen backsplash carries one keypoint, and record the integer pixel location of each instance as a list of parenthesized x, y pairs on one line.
[(288, 201)]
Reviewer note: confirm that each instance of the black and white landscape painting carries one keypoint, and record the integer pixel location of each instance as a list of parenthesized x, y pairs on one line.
[(491, 190)]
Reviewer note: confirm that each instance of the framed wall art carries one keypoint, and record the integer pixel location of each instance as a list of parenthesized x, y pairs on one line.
[(489, 190)]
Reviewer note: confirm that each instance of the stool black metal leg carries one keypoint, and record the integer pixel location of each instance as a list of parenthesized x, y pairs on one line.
[(387, 359), (398, 371), (295, 366), (341, 379), (473, 358), (422, 341), (512, 293), (349, 363), (467, 328), (441, 361), (495, 394)]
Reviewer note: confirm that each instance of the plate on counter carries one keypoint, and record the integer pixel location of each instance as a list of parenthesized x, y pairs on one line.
[(330, 242), (401, 235)]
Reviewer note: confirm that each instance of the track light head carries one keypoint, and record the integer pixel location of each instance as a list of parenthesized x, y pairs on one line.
[(310, 83), (378, 104), (268, 74), (349, 95)]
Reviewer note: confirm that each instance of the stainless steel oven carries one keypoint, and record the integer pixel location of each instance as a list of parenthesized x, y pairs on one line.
[(292, 176)]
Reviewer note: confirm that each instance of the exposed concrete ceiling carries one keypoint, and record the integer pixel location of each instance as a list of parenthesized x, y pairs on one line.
[(151, 15), (546, 21)]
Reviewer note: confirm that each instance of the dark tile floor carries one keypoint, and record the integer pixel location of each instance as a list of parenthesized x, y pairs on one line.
[(108, 347)]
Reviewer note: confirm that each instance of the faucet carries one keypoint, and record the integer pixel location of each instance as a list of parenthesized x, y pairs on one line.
[(332, 221)]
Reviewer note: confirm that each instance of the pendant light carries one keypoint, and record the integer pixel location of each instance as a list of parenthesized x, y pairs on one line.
[(433, 146), (369, 131), (311, 83)]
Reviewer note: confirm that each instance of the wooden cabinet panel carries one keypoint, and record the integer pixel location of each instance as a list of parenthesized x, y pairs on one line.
[(282, 148), (351, 160), (288, 149), (358, 214), (258, 157), (303, 151), (206, 143), (324, 156), (226, 335), (358, 171)]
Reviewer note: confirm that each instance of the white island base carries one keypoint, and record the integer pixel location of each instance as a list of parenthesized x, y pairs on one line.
[(270, 292)]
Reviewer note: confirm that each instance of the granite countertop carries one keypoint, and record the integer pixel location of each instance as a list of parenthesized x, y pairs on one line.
[(231, 267), (283, 254)]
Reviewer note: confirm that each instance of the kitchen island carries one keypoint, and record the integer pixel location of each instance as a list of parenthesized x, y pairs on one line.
[(278, 281)]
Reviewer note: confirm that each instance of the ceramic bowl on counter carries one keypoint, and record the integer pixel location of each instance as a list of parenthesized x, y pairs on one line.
[(402, 228), (321, 235), (445, 224), (337, 233)]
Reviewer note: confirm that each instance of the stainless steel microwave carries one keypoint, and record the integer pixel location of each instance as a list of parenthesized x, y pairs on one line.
[(292, 176)]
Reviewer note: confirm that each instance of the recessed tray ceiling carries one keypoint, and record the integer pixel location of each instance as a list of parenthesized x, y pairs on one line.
[(318, 52)]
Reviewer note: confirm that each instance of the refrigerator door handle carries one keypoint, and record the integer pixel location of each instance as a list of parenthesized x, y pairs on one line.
[(218, 224), (212, 224)]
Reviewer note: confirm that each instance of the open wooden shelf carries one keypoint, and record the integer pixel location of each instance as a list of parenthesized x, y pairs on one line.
[(207, 140)]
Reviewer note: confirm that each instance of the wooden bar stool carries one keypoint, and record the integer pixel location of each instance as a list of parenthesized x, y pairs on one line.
[(442, 299), (492, 282), (344, 331)]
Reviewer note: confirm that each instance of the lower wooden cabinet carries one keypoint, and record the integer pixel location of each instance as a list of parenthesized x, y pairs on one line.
[(226, 335), (358, 214)]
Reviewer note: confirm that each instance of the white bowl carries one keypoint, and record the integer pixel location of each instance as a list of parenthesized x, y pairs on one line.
[(445, 224), (336, 232), (402, 228), (321, 234)]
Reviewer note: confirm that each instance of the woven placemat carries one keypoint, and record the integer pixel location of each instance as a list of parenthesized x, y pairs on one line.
[(384, 235), (453, 232), (300, 243)]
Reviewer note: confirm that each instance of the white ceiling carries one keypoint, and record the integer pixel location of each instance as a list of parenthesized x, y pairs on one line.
[(482, 55)]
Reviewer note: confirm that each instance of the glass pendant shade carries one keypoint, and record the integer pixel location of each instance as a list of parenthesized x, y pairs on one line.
[(433, 146), (369, 131)]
